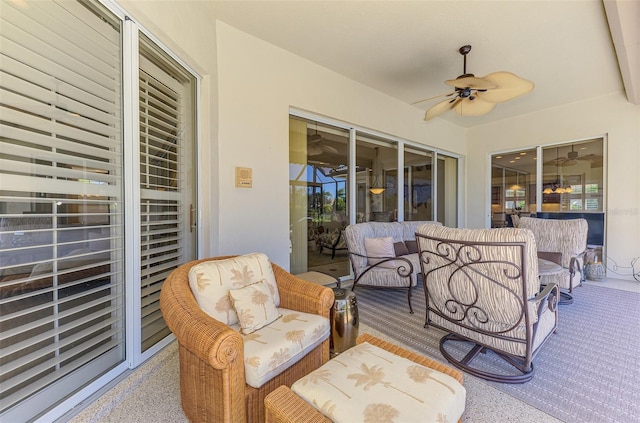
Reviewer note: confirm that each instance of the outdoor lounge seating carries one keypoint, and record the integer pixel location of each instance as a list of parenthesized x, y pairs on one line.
[(333, 240), (384, 254), (567, 237), (482, 288), (228, 364)]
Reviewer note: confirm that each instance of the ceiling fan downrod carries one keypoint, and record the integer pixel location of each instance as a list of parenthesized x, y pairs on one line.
[(464, 50)]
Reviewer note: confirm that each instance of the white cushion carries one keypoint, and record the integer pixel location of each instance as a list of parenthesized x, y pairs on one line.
[(368, 383), (276, 347), (254, 306), (380, 247), (211, 281)]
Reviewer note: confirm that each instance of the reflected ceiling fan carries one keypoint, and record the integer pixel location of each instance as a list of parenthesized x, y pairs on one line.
[(473, 96), (573, 157), (315, 146)]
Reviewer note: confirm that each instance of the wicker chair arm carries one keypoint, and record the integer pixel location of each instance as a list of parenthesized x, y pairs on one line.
[(211, 340), (300, 295)]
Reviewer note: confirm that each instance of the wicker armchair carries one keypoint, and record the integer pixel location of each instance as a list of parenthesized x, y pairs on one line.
[(567, 237), (482, 288), (212, 373)]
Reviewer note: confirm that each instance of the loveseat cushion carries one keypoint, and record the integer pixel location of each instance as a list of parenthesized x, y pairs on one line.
[(277, 346), (412, 246), (379, 247), (210, 282), (400, 248)]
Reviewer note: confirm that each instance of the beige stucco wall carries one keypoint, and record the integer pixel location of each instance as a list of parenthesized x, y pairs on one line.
[(258, 83), (249, 87), (612, 116)]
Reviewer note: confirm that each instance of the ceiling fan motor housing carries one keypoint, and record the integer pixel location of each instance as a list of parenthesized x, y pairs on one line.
[(572, 155)]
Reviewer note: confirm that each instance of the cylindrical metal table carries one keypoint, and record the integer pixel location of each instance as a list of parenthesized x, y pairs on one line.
[(344, 321)]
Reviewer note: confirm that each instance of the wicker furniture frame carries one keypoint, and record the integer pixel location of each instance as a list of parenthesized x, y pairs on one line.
[(284, 406), (481, 286), (212, 378)]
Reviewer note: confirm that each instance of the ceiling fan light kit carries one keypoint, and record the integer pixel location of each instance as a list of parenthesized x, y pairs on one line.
[(473, 96)]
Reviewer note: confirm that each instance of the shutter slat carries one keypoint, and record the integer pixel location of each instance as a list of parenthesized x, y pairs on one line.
[(80, 124), (49, 142), (72, 108), (38, 169), (14, 67), (23, 54)]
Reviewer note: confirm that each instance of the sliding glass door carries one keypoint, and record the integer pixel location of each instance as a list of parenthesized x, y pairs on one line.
[(62, 281), (447, 183), (341, 175), (97, 192), (318, 181), (562, 181), (418, 184), (377, 180), (513, 186)]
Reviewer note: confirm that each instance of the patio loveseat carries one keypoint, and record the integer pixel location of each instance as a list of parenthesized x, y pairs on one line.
[(385, 254)]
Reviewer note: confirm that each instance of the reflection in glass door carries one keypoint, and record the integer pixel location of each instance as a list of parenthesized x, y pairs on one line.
[(418, 184), (322, 203), (377, 179), (513, 186), (318, 172), (447, 191)]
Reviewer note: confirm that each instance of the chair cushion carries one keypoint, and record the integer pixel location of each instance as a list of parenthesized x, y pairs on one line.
[(368, 383), (400, 249), (546, 267), (380, 247), (277, 346), (210, 282), (254, 306), (412, 246)]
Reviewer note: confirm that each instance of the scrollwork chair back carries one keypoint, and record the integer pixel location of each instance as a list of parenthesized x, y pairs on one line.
[(481, 286)]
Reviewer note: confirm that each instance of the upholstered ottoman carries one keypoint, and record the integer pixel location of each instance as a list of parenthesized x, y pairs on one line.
[(373, 381)]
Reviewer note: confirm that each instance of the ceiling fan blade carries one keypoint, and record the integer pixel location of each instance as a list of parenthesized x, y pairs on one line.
[(314, 150), (590, 157), (507, 87), (475, 107), (471, 82), (434, 97), (554, 162), (440, 108), (329, 149)]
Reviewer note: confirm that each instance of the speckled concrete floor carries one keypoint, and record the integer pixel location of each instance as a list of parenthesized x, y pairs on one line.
[(152, 392)]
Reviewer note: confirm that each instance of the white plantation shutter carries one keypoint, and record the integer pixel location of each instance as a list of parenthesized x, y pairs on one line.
[(164, 205), (61, 223)]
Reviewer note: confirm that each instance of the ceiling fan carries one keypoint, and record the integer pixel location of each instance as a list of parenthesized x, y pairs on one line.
[(473, 96)]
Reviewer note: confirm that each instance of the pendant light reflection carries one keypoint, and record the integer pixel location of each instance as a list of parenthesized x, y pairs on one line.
[(376, 187), (556, 187)]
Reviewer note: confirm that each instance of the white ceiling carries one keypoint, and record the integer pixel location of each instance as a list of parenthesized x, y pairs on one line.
[(407, 49)]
